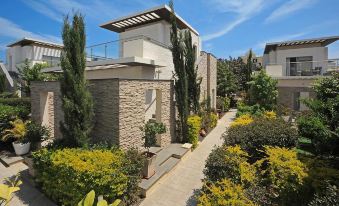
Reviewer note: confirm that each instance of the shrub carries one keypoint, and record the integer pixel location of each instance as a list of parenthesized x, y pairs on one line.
[(229, 162), (67, 175), (151, 130), (242, 120), (329, 198), (313, 128), (223, 103), (214, 120), (8, 95), (223, 193), (254, 136), (9, 113), (254, 110), (2, 82), (194, 126), (36, 133), (209, 120), (23, 102), (270, 115)]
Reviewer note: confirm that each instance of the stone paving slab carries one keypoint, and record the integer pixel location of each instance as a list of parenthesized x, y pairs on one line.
[(9, 159), (180, 186)]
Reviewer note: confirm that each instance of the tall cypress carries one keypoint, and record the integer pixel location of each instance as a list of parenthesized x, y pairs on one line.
[(192, 74), (77, 102), (181, 88)]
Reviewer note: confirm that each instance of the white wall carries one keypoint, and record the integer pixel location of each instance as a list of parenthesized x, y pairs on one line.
[(18, 54), (135, 72)]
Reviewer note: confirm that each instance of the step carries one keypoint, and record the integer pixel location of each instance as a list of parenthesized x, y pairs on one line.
[(161, 170), (9, 159)]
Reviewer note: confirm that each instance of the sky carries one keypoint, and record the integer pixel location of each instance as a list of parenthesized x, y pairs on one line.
[(227, 27)]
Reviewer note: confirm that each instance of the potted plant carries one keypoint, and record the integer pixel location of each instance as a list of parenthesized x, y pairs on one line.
[(18, 132), (151, 130)]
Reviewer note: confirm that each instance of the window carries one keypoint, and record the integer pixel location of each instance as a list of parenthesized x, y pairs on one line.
[(51, 60)]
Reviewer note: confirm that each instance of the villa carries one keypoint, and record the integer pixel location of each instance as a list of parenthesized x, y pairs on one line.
[(296, 65), (131, 80)]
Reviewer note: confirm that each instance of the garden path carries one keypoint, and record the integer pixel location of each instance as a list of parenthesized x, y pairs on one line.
[(179, 187)]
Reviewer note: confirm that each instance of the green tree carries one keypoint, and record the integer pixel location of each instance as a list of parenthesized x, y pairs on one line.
[(31, 73), (248, 69), (192, 74), (2, 83), (77, 102), (263, 91), (226, 80), (181, 85)]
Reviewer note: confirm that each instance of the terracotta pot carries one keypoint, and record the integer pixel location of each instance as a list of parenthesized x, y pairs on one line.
[(202, 133), (149, 165), (21, 148)]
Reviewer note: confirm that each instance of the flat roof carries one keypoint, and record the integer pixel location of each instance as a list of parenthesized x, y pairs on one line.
[(323, 40), (155, 14), (28, 41)]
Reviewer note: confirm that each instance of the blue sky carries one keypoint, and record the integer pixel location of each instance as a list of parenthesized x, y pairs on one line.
[(227, 27)]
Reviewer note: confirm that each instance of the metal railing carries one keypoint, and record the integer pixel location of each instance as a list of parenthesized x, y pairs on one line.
[(309, 68), (113, 49)]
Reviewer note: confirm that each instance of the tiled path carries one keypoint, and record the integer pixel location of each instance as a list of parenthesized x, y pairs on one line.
[(178, 188), (28, 194)]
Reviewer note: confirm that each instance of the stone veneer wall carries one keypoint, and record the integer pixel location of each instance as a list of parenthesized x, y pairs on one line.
[(286, 95), (207, 69), (54, 101), (119, 107)]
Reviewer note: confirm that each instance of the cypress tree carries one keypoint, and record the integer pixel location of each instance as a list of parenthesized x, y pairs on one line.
[(181, 88), (77, 102), (192, 74)]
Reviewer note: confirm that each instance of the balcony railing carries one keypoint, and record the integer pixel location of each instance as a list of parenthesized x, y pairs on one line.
[(305, 68), (115, 49)]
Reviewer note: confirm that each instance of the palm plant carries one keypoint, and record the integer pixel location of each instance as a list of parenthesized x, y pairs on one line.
[(18, 131)]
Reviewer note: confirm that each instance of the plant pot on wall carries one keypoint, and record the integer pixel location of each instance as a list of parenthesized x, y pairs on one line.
[(149, 165), (21, 148)]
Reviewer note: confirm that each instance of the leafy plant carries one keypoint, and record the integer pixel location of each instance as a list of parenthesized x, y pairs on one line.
[(88, 200), (254, 110), (8, 114), (231, 163), (77, 103), (35, 133), (226, 79), (253, 137), (263, 91), (223, 193), (223, 103), (194, 126), (242, 120), (329, 198), (6, 191), (152, 129), (18, 131)]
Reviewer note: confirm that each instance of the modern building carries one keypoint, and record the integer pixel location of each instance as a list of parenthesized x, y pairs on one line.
[(34, 50), (256, 60), (296, 65)]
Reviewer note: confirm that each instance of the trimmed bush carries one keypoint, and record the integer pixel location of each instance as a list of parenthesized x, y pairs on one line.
[(194, 126), (23, 102), (223, 193), (67, 175), (253, 137), (229, 162), (242, 120)]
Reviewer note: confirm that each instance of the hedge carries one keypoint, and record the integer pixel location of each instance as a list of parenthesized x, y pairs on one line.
[(24, 102), (194, 126), (66, 175)]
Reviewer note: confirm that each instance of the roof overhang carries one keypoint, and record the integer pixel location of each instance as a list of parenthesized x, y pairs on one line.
[(145, 17), (114, 63), (28, 41), (324, 41)]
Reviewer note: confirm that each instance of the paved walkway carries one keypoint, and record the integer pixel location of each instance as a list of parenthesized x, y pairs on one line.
[(178, 188), (28, 194)]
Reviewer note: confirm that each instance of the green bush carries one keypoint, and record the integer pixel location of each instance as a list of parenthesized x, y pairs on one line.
[(254, 136), (9, 113), (329, 198), (35, 133), (223, 103), (231, 163), (209, 120), (223, 193), (2, 82), (312, 127), (66, 175), (254, 110), (194, 126), (8, 95), (22, 102)]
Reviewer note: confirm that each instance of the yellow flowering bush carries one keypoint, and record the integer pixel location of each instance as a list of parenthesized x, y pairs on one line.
[(66, 175), (284, 171), (223, 193), (270, 115), (242, 120), (194, 126)]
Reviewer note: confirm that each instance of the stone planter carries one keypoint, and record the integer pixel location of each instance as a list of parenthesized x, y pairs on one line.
[(149, 165), (21, 148), (29, 163)]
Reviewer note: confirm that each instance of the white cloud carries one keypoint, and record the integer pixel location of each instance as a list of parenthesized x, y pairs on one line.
[(43, 9), (243, 9), (288, 8), (16, 32)]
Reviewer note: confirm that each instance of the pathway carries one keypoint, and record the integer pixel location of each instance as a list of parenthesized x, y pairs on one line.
[(178, 187)]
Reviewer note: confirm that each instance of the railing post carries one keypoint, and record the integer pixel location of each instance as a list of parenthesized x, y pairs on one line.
[(91, 53), (105, 51)]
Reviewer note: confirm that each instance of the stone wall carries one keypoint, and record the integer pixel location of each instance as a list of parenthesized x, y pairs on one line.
[(119, 107), (286, 95)]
